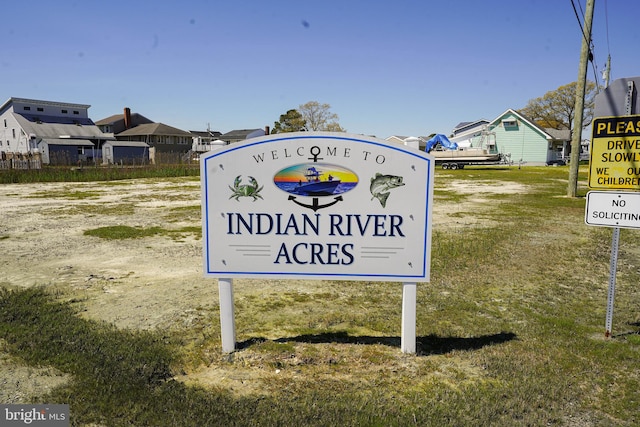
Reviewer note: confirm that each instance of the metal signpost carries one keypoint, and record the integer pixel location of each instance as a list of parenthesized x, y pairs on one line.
[(313, 205), (614, 165), (618, 210)]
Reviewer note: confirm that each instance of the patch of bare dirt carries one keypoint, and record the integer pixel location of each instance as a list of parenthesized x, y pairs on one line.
[(477, 198), (149, 283)]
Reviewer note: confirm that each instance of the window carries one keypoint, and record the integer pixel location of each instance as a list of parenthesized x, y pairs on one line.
[(27, 108), (14, 133), (76, 112), (64, 111), (40, 109), (5, 122), (510, 123)]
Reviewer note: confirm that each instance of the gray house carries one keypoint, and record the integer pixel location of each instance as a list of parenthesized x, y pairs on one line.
[(121, 122), (163, 138)]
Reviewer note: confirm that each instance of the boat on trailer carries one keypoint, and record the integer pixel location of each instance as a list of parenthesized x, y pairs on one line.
[(451, 156)]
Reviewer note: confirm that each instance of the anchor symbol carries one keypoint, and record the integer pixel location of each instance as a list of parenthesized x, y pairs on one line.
[(315, 205), (315, 150)]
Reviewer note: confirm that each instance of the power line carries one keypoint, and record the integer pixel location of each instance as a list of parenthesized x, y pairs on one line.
[(588, 39), (580, 23)]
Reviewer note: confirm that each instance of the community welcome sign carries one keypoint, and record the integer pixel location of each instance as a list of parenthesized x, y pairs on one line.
[(317, 205)]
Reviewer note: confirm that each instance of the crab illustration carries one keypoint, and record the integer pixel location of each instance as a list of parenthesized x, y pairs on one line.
[(245, 190)]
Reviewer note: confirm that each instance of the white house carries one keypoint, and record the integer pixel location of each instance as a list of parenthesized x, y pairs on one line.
[(402, 140), (61, 132), (465, 132)]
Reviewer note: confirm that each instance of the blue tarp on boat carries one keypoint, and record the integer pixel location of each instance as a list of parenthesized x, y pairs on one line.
[(442, 140)]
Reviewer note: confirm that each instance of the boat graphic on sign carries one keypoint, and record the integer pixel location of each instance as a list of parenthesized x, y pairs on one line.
[(315, 180)]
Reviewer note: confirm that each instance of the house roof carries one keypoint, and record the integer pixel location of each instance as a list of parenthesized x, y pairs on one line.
[(55, 127), (127, 144), (531, 124), (399, 137), (463, 125), (559, 134), (111, 119), (68, 141), (206, 133), (403, 139), (40, 102), (238, 133), (154, 129), (120, 117)]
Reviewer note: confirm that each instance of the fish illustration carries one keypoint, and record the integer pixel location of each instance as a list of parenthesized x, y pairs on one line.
[(381, 184)]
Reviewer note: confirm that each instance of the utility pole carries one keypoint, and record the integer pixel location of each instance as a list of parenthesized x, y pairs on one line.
[(576, 137), (607, 72)]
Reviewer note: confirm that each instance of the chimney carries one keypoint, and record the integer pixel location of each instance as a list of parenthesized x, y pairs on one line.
[(266, 130), (127, 118)]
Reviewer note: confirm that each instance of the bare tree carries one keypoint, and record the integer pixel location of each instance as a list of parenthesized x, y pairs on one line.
[(319, 117), (556, 109)]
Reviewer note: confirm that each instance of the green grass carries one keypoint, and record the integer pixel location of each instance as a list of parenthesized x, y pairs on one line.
[(91, 209), (510, 333), (118, 232), (87, 174), (66, 194)]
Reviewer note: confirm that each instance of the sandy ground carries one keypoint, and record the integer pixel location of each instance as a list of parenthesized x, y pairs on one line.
[(149, 283)]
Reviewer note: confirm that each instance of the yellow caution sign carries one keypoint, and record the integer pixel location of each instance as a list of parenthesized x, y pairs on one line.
[(615, 153)]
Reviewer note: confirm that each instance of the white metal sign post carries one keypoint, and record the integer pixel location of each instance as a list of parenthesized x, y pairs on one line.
[(311, 205), (227, 315), (409, 296)]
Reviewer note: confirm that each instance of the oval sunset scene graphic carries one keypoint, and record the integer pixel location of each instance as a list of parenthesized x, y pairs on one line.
[(315, 179)]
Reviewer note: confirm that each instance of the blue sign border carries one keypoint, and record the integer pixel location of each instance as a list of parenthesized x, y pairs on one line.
[(262, 140)]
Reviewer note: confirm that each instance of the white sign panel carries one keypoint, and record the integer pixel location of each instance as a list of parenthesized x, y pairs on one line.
[(613, 209), (317, 205)]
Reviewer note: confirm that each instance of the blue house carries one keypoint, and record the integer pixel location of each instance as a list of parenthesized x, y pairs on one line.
[(526, 142)]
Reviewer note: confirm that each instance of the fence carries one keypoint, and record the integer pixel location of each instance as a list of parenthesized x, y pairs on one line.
[(173, 158), (20, 162)]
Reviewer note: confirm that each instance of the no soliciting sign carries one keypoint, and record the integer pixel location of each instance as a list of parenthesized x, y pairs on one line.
[(613, 209), (317, 205)]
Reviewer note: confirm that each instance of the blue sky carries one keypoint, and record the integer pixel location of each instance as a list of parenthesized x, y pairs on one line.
[(385, 67)]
